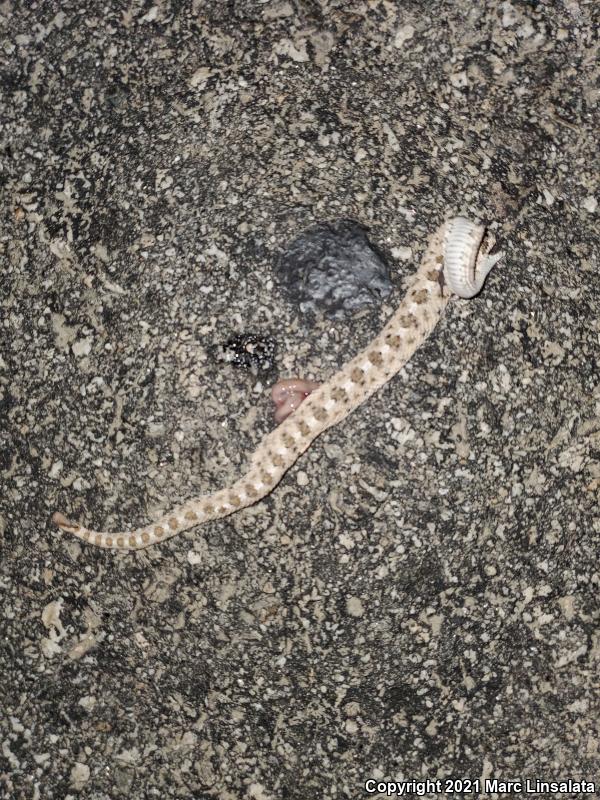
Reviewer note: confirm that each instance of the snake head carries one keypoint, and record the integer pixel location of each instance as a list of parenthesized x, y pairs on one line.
[(467, 260)]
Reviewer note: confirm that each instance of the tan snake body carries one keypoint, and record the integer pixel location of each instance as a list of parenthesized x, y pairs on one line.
[(454, 262)]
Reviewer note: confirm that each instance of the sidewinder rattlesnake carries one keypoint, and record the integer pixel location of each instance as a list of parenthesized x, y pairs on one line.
[(454, 262)]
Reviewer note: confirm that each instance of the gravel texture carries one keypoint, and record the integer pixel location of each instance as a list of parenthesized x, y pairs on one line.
[(418, 598)]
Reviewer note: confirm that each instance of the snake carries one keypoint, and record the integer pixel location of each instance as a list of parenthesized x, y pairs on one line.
[(456, 262)]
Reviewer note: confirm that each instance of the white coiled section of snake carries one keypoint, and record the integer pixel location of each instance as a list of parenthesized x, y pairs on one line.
[(454, 263)]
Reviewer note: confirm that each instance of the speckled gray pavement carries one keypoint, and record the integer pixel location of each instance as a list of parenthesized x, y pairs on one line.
[(418, 598)]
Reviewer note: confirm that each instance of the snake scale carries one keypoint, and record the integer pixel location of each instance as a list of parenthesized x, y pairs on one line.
[(455, 262)]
